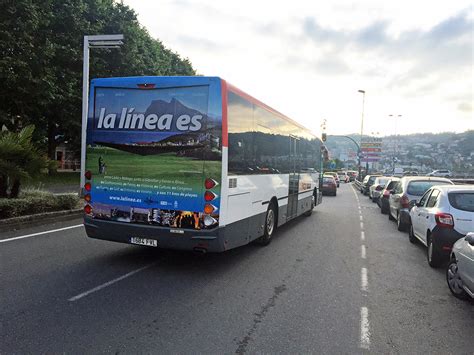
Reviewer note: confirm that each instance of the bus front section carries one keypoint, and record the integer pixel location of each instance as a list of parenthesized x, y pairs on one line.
[(154, 162)]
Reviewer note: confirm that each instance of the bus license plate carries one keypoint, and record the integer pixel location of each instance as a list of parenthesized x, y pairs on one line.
[(144, 241)]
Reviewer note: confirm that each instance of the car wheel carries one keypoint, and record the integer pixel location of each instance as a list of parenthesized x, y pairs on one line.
[(402, 227), (433, 256), (454, 280), (374, 199), (411, 235), (269, 227), (390, 217)]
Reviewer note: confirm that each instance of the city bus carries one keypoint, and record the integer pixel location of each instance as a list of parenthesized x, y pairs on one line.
[(192, 163)]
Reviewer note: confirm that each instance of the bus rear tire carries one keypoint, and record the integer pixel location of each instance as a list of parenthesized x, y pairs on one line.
[(310, 211), (269, 226)]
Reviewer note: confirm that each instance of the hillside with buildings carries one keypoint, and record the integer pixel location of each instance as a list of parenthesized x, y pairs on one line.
[(422, 152)]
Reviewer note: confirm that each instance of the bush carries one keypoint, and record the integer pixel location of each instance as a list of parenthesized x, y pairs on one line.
[(36, 201)]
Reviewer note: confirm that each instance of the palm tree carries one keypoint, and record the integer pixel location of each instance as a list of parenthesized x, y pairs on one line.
[(19, 160)]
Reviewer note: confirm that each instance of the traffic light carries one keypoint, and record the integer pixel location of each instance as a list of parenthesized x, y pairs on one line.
[(323, 137)]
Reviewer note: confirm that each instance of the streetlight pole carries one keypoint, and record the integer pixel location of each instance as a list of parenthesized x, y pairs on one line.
[(395, 148), (361, 130), (98, 41)]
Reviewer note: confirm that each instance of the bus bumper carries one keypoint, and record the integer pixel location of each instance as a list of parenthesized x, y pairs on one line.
[(167, 238)]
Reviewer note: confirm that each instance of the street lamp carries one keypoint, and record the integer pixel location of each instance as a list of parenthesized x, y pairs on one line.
[(361, 128), (395, 148), (97, 41)]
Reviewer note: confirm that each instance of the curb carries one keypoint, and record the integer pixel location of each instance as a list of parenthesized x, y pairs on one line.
[(16, 223)]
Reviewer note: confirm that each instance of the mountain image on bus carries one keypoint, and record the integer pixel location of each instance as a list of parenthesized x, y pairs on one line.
[(193, 163)]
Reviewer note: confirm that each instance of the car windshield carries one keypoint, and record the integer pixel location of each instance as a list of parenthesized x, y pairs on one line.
[(462, 200), (418, 188), (328, 179)]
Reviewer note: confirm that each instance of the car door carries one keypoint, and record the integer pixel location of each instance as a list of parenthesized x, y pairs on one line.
[(428, 213), (394, 200), (418, 214), (465, 259)]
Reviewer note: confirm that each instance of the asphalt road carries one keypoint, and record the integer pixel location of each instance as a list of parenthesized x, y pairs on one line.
[(321, 286)]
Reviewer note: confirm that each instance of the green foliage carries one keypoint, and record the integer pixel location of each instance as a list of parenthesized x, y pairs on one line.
[(41, 61), (33, 202), (19, 160)]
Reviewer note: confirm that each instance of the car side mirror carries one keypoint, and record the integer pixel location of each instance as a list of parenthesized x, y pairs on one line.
[(469, 238), (414, 203)]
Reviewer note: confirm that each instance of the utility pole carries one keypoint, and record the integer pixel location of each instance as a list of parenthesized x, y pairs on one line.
[(362, 131)]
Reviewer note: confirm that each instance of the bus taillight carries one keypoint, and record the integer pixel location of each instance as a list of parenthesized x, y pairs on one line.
[(88, 174), (88, 209), (209, 196), (209, 221), (210, 183), (208, 208), (87, 197), (87, 186)]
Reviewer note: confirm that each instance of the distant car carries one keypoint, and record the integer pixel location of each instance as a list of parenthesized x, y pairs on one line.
[(352, 175), (460, 271), (441, 173), (334, 175), (443, 215), (329, 186), (343, 177), (409, 188), (376, 189), (385, 194), (367, 183)]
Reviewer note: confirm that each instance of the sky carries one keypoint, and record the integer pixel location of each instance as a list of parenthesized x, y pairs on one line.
[(308, 59)]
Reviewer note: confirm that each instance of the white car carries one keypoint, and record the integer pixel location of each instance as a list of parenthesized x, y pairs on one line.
[(444, 214), (441, 173), (460, 271), (343, 177), (376, 189)]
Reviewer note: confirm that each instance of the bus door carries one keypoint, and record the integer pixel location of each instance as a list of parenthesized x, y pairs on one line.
[(294, 179)]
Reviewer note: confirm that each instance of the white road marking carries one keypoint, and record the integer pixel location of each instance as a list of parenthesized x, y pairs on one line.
[(363, 252), (41, 233), (111, 282), (364, 282), (362, 236), (362, 225), (361, 218), (364, 328)]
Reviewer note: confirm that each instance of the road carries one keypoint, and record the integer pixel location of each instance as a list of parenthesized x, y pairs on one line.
[(321, 286)]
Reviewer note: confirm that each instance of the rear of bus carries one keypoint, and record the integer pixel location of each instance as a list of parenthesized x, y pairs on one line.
[(154, 162)]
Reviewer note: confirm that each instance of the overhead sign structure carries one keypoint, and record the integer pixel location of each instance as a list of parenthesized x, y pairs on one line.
[(371, 150)]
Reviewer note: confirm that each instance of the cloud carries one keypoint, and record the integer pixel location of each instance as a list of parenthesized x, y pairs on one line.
[(465, 107)]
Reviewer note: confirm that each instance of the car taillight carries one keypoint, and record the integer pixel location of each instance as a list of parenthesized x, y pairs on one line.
[(404, 201), (210, 183), (444, 220), (209, 196), (386, 193), (379, 188)]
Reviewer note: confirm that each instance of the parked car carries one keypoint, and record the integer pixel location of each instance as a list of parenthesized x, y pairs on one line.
[(443, 215), (343, 177), (441, 173), (329, 186), (460, 271), (409, 188), (352, 175), (334, 175), (367, 183), (385, 194), (376, 189)]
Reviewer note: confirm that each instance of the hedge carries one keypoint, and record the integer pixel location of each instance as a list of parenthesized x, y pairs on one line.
[(35, 201)]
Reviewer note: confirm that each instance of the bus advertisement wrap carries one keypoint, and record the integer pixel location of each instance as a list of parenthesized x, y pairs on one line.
[(149, 153)]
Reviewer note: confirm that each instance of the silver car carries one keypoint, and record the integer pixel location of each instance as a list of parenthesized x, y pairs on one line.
[(376, 189), (460, 271)]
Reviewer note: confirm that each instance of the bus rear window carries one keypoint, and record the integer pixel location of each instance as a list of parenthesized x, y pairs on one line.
[(463, 201)]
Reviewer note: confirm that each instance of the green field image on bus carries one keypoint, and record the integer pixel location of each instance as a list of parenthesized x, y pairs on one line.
[(116, 163)]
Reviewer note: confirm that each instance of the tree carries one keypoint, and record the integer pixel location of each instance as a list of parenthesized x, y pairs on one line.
[(20, 159), (41, 61)]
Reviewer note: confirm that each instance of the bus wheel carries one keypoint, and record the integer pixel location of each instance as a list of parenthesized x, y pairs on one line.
[(269, 227), (308, 213)]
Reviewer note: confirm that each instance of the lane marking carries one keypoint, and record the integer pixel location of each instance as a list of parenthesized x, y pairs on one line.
[(362, 225), (361, 218), (364, 328), (363, 252), (41, 233), (362, 236), (364, 282), (111, 282)]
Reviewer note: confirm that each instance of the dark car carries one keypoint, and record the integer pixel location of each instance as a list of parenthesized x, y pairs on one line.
[(409, 188), (367, 183), (329, 186), (382, 201)]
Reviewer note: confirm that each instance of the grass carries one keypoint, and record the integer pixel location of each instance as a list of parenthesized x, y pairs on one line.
[(57, 179), (168, 166)]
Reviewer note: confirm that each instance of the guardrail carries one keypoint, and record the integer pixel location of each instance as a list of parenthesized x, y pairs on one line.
[(357, 183), (462, 181)]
